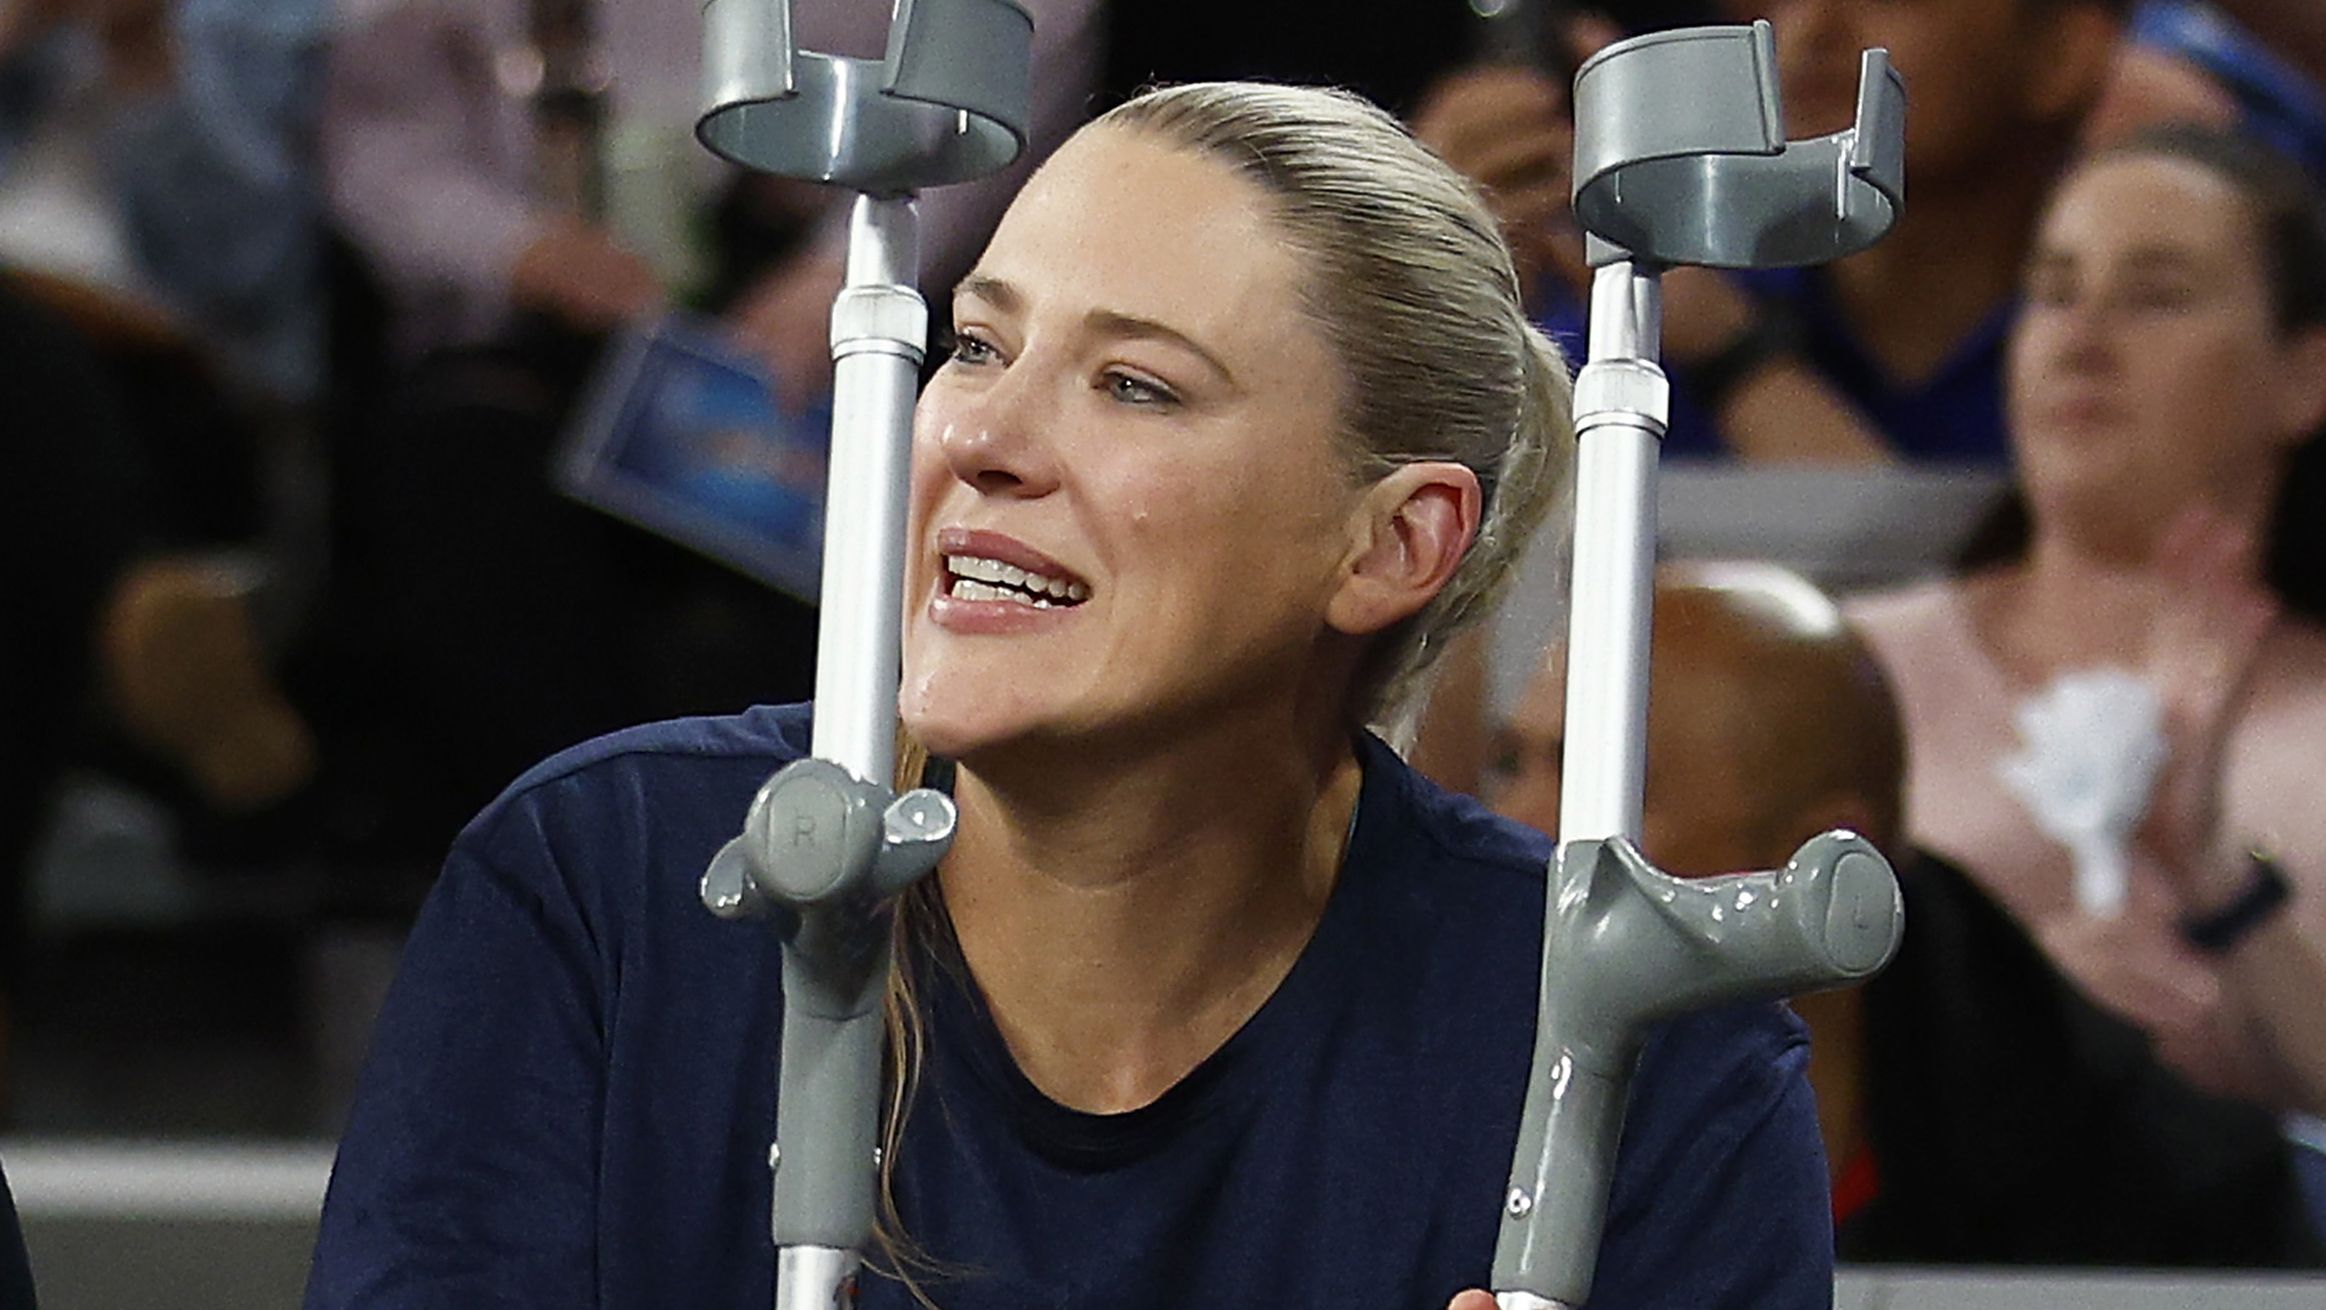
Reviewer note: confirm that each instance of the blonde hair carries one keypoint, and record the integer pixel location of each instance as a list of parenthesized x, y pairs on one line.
[(1414, 288)]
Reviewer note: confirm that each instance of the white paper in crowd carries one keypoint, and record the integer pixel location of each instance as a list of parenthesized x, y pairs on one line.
[(2090, 746)]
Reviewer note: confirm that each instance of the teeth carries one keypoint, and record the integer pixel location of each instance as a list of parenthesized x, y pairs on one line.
[(971, 589), (975, 570)]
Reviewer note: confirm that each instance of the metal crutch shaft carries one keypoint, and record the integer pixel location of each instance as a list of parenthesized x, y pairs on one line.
[(827, 840), (1705, 178)]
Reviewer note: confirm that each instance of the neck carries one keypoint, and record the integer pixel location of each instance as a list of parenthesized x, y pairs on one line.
[(1953, 259), (1128, 912), (2068, 606)]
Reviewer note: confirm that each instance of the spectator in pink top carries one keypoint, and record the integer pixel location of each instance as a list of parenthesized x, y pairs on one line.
[(2118, 731), (450, 174)]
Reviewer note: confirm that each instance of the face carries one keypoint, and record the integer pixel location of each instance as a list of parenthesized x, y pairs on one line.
[(1129, 509), (1699, 816), (1965, 62), (2146, 369)]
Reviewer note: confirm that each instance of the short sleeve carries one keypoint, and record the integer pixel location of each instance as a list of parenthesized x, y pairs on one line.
[(467, 1175), (1721, 1199)]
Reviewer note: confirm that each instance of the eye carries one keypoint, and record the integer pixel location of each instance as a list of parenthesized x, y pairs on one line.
[(2162, 296), (2050, 288), (1131, 389), (968, 348)]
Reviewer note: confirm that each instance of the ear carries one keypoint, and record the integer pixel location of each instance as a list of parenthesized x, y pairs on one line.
[(2302, 387), (2071, 60), (1407, 535)]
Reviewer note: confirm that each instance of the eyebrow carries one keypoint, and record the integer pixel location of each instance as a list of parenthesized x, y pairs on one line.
[(2168, 260), (2143, 260), (1005, 297)]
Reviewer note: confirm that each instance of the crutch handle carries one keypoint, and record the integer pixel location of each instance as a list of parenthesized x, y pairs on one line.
[(1627, 945)]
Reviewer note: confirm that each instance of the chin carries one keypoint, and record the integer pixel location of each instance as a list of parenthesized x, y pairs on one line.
[(959, 717)]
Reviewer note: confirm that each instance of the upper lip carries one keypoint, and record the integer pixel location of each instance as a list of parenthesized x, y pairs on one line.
[(1009, 550), (2080, 406)]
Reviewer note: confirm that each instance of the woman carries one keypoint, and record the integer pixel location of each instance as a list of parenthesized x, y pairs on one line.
[(1219, 1003), (2167, 375)]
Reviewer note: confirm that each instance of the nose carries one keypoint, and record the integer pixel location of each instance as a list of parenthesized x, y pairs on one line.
[(995, 439), (2083, 343)]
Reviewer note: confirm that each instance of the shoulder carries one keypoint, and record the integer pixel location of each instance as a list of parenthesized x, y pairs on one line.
[(2284, 718), (764, 733), (1920, 635), (1476, 864), (1717, 1072), (1916, 610), (1720, 1196), (606, 797), (1464, 846), (2268, 774), (1450, 898), (2292, 664)]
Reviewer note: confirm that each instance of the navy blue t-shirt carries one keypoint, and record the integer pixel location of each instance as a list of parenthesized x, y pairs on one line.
[(572, 1090)]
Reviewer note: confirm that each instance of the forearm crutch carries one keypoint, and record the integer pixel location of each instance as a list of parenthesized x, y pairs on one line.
[(827, 840), (1680, 158)]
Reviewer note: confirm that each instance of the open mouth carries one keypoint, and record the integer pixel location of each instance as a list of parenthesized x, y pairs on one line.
[(974, 577)]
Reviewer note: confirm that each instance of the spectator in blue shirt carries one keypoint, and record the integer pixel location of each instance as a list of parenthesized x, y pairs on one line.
[(1218, 1003), (2186, 61), (1894, 353)]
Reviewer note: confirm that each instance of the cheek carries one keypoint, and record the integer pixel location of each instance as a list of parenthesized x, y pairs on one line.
[(2032, 344), (1175, 511), (2205, 387), (930, 476)]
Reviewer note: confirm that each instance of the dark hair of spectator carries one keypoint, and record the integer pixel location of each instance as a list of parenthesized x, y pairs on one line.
[(2290, 218), (2117, 8)]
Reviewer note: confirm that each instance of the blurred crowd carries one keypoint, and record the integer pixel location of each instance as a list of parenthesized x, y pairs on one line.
[(298, 301)]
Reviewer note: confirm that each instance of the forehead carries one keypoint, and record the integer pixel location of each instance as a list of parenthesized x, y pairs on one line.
[(1917, 26), (1123, 221), (2143, 204)]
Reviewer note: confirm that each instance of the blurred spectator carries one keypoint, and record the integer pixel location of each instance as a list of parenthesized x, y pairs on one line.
[(2294, 28), (158, 243), (1975, 1108), (521, 178), (1389, 51), (161, 152), (1897, 351), (2187, 61), (539, 155), (157, 226), (100, 607), (2115, 730), (158, 188)]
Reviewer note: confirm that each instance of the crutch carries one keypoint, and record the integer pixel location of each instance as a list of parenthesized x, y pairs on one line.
[(827, 840), (1680, 158)]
